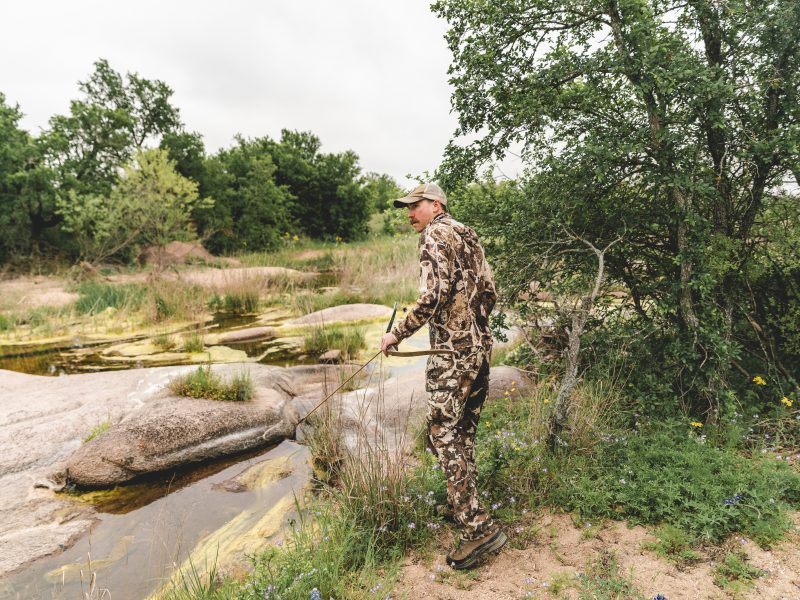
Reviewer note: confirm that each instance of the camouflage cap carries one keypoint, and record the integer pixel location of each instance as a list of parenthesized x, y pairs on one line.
[(429, 191)]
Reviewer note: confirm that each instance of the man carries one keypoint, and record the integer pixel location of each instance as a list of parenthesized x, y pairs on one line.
[(456, 296)]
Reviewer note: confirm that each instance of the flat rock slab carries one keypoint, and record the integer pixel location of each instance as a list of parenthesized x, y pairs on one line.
[(249, 334), (345, 312)]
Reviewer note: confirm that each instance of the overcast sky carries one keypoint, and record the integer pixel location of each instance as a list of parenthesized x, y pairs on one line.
[(365, 75)]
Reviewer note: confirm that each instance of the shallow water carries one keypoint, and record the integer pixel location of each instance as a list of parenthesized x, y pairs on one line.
[(82, 356), (146, 530)]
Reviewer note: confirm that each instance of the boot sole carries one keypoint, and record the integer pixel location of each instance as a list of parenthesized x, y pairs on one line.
[(495, 543)]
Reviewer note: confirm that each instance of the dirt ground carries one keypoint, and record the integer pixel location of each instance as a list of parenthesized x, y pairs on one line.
[(557, 551)]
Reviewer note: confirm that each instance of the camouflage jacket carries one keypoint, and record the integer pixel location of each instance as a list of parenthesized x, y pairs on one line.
[(456, 292)]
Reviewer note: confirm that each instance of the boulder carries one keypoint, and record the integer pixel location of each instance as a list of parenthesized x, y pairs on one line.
[(509, 381), (173, 436), (177, 431), (345, 312), (331, 357), (175, 253)]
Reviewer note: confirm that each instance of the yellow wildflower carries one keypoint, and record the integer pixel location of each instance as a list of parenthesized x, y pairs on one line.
[(695, 423), (786, 401), (295, 238), (758, 380), (547, 401)]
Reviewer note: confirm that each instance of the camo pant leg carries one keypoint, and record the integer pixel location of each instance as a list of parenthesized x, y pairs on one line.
[(458, 387)]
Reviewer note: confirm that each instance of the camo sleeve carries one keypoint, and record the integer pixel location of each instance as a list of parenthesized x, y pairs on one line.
[(489, 293), (436, 266)]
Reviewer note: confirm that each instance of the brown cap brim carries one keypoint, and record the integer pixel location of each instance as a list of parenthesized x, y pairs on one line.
[(403, 202)]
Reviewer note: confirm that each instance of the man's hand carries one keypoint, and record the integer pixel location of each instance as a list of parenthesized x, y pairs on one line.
[(388, 342)]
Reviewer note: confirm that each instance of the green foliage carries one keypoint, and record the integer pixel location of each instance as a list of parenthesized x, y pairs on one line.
[(150, 205), (330, 202), (164, 342), (26, 195), (96, 297), (674, 544), (251, 211), (203, 383), (7, 322), (381, 190), (104, 129), (735, 575), (624, 115), (346, 338), (670, 476), (241, 302), (602, 581)]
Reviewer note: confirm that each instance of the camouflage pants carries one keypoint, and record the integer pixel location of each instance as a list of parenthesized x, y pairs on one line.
[(458, 386)]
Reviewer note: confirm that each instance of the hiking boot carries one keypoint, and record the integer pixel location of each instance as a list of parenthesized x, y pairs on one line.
[(468, 553)]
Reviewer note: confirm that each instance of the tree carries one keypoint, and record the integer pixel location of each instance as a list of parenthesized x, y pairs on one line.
[(104, 129), (26, 195), (330, 202), (674, 121), (151, 205), (250, 212), (381, 189)]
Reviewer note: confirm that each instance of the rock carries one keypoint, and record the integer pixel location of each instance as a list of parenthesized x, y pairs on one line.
[(179, 431), (509, 379), (345, 312), (175, 253), (331, 357), (250, 334)]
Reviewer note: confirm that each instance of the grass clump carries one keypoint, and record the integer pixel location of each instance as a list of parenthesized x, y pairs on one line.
[(675, 545), (95, 297), (7, 322), (164, 342), (101, 427), (348, 339), (203, 383), (602, 581), (193, 343), (734, 574), (663, 474), (242, 302)]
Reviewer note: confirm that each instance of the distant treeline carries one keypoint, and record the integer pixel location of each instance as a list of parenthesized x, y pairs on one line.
[(120, 170)]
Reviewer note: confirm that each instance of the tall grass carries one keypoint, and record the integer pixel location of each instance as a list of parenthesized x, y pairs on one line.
[(95, 297), (379, 271), (347, 338)]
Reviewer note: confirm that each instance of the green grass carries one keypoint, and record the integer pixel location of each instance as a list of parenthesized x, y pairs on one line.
[(193, 343), (7, 322), (204, 383), (96, 297), (735, 575), (101, 427), (668, 476), (675, 545), (164, 342), (602, 581), (348, 339), (241, 302), (658, 475)]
